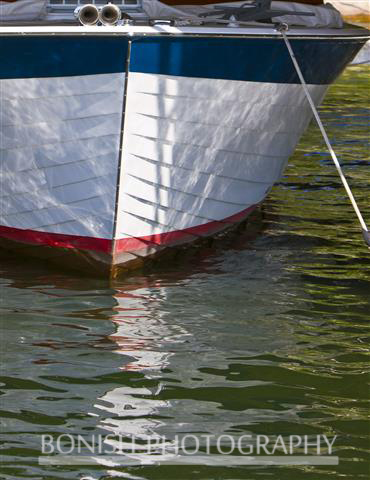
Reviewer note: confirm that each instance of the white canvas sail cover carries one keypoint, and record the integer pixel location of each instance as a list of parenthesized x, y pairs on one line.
[(22, 10), (324, 15)]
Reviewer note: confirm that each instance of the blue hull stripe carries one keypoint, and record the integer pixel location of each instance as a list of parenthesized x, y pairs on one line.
[(248, 59), (47, 56), (254, 60)]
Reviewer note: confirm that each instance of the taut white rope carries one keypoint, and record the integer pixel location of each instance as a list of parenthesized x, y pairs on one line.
[(282, 29)]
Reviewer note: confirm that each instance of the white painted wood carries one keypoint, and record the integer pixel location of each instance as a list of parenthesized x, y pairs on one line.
[(248, 31), (63, 153), (228, 113), (22, 88), (15, 136), (156, 208), (238, 140), (183, 212), (260, 168), (245, 93), (206, 185), (59, 142), (198, 150), (32, 111)]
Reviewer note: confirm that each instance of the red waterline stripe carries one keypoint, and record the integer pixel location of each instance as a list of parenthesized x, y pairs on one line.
[(168, 238), (33, 237), (59, 240)]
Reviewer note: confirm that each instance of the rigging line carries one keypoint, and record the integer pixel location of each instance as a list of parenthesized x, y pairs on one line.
[(283, 28)]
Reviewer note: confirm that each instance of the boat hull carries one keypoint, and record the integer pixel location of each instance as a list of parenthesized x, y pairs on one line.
[(115, 148)]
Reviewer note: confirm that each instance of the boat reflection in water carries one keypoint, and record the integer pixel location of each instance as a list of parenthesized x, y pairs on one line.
[(184, 367), (142, 335)]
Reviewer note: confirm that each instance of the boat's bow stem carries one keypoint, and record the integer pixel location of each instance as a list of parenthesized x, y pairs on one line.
[(283, 28)]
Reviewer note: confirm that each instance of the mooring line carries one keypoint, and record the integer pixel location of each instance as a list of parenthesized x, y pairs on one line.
[(283, 28)]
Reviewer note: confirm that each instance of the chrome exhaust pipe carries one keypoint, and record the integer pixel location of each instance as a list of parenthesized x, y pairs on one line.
[(110, 14), (87, 14)]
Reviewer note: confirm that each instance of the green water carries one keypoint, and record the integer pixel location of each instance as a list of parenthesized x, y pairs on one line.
[(263, 332)]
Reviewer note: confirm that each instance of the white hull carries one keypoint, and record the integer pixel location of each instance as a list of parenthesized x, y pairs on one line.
[(199, 150), (194, 151)]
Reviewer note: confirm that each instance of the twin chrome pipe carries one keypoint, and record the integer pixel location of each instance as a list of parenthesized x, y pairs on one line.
[(90, 14)]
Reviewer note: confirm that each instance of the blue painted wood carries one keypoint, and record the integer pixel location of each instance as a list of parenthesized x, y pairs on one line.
[(230, 58)]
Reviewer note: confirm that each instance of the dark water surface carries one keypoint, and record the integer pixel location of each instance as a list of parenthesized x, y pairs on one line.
[(265, 332)]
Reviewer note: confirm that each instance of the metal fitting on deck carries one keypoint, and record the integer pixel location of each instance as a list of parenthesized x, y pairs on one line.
[(282, 27), (110, 14), (90, 14), (87, 14)]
